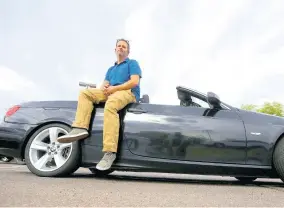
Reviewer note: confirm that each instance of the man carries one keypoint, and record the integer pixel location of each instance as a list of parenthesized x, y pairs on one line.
[(120, 87)]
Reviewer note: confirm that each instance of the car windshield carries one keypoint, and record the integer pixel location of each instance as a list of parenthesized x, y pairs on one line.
[(199, 101)]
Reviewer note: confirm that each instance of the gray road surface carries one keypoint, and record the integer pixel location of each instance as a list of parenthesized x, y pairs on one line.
[(21, 188)]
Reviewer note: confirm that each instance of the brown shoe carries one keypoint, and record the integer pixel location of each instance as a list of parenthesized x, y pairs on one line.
[(74, 135)]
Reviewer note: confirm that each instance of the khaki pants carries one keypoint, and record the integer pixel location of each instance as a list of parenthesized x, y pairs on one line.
[(114, 103)]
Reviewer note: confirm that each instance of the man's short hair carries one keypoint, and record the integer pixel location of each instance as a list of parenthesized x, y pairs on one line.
[(126, 41)]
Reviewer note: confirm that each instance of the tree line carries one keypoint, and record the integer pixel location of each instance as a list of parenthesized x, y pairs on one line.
[(272, 108)]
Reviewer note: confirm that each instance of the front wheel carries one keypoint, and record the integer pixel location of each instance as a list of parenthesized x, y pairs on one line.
[(46, 157), (278, 158)]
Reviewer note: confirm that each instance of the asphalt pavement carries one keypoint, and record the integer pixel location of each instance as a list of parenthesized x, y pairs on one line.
[(19, 187)]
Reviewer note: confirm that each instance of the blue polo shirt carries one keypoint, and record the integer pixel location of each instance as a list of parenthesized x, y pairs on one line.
[(120, 73)]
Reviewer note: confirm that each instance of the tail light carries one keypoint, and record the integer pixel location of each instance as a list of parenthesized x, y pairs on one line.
[(12, 110)]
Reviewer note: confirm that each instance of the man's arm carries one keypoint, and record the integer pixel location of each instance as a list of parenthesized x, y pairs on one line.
[(135, 75), (105, 83), (133, 82), (106, 80)]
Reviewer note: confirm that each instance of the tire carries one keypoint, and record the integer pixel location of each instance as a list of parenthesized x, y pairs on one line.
[(68, 163), (6, 159), (278, 158), (246, 179), (100, 173)]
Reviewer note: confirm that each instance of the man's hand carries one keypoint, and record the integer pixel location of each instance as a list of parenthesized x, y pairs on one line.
[(104, 86), (110, 90)]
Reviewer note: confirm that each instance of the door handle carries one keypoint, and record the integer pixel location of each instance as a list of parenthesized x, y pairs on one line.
[(136, 110)]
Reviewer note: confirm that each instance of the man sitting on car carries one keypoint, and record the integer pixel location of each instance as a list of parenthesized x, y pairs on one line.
[(120, 87)]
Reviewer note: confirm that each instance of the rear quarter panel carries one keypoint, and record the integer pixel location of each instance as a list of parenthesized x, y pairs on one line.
[(17, 129), (37, 116), (41, 113), (36, 113)]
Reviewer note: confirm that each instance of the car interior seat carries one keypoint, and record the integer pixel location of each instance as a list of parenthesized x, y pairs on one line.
[(186, 100)]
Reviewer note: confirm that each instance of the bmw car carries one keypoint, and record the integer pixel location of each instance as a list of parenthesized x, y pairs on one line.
[(199, 135)]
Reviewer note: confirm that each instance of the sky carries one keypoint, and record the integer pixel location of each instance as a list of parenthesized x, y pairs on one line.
[(234, 48)]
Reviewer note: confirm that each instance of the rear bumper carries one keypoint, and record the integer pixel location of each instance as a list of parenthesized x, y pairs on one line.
[(12, 137)]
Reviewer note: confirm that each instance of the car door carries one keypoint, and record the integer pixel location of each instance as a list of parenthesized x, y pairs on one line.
[(185, 133)]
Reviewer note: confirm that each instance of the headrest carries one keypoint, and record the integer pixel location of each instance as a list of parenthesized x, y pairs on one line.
[(184, 96), (144, 99)]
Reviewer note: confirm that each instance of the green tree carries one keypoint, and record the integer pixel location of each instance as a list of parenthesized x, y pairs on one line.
[(272, 108), (249, 107)]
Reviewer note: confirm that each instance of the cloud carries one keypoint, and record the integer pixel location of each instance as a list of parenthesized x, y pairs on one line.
[(215, 46), (146, 35), (12, 81), (234, 48), (16, 88)]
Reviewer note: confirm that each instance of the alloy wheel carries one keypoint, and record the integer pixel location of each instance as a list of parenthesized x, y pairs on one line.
[(45, 153)]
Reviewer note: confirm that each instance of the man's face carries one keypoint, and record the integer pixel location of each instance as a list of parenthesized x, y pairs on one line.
[(121, 49)]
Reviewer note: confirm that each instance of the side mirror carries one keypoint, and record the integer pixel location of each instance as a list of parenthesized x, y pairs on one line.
[(213, 100)]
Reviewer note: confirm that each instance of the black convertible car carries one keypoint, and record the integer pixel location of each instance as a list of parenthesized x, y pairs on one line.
[(200, 135)]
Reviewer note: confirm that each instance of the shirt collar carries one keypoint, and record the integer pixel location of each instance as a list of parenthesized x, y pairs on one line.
[(125, 60)]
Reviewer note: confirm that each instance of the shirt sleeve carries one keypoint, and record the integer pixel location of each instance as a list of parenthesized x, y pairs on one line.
[(134, 68), (107, 76)]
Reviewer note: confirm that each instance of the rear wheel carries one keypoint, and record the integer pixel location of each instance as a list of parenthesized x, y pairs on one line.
[(278, 158), (6, 159), (44, 156)]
